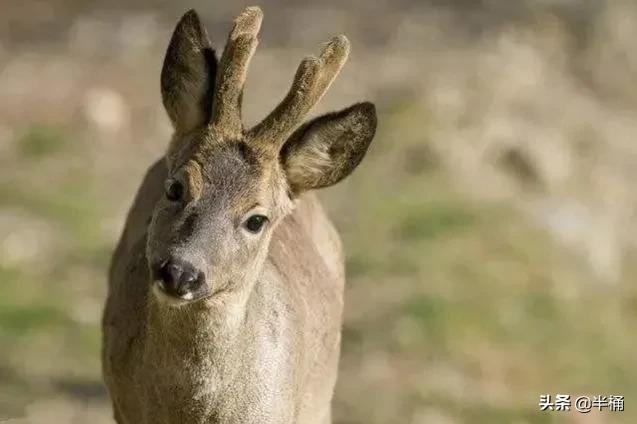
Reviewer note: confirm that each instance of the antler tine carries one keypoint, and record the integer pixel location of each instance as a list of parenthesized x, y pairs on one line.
[(242, 42), (313, 78)]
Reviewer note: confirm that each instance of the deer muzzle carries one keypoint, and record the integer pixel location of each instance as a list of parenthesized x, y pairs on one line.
[(180, 280)]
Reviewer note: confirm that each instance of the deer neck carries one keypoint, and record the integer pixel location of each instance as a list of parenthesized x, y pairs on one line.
[(217, 320)]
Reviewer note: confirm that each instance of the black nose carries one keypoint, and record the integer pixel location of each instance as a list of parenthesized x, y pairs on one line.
[(179, 277)]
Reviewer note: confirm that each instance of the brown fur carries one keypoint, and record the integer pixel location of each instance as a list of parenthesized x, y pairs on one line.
[(259, 341)]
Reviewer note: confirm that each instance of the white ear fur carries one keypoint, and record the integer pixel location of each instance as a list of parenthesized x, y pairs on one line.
[(314, 159), (329, 148)]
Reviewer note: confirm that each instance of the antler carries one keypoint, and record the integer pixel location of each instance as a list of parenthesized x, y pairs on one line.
[(313, 77), (231, 75)]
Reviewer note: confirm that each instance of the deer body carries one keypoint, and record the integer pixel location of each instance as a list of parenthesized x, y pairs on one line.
[(161, 369), (226, 288)]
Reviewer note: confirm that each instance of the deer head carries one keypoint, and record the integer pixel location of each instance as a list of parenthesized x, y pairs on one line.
[(228, 186)]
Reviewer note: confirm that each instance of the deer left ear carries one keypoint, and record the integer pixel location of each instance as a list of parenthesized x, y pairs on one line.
[(327, 149), (188, 75)]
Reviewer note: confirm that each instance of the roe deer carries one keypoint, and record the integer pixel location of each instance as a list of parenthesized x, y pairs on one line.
[(226, 288)]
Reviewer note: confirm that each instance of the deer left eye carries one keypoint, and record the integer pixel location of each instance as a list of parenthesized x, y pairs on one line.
[(174, 190), (255, 223)]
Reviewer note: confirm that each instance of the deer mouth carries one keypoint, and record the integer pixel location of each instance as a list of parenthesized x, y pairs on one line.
[(171, 299), (176, 282), (164, 297)]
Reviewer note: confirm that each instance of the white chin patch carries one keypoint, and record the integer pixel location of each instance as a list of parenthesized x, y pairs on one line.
[(170, 300)]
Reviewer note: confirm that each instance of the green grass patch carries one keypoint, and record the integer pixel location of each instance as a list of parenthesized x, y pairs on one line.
[(41, 140), (71, 203), (429, 313), (429, 221), (16, 320)]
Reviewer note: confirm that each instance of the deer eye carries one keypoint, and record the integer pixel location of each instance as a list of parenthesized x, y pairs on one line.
[(255, 223), (174, 190)]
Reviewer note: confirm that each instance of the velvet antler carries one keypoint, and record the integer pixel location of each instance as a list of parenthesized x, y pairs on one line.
[(313, 77), (231, 75)]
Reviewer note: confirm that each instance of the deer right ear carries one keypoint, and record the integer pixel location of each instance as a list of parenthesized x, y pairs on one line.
[(188, 75), (328, 148)]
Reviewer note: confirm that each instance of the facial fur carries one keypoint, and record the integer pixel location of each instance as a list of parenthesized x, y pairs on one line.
[(225, 183)]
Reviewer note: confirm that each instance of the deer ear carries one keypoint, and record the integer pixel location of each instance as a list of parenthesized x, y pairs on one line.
[(328, 148), (188, 75)]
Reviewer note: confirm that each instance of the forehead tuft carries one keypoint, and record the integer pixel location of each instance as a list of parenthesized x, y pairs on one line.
[(231, 170), (228, 164)]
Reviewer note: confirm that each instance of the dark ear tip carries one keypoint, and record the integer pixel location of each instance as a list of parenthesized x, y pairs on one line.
[(189, 29), (368, 110), (190, 16), (368, 107), (190, 21)]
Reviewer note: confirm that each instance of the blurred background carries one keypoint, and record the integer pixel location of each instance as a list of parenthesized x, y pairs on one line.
[(490, 232)]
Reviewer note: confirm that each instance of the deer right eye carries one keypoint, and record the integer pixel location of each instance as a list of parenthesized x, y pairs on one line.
[(174, 190), (255, 222)]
